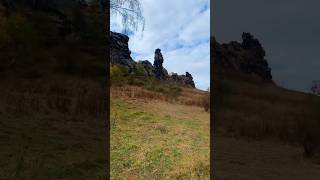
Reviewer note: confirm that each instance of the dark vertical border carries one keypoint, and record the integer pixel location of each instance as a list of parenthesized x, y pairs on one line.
[(212, 85), (107, 31)]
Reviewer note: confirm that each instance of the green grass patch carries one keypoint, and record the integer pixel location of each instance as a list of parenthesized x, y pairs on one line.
[(149, 145)]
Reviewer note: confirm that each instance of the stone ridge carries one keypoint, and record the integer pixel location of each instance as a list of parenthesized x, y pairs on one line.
[(121, 55), (246, 57)]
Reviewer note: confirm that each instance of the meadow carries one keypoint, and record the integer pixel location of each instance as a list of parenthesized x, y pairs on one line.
[(154, 137)]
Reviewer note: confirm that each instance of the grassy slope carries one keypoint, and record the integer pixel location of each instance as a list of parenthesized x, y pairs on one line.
[(260, 129), (255, 109), (155, 139), (47, 130)]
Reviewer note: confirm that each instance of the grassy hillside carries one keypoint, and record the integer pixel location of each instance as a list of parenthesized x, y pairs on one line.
[(249, 107), (155, 136), (264, 121), (52, 129)]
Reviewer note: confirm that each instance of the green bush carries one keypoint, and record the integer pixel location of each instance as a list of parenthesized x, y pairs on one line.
[(117, 75)]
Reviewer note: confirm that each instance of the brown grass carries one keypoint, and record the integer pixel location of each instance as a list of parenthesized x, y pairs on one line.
[(52, 129), (188, 96), (69, 97), (260, 110)]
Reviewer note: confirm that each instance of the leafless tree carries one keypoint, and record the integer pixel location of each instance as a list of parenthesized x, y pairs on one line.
[(131, 13)]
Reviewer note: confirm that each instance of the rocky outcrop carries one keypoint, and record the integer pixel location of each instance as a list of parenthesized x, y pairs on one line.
[(247, 57), (189, 80), (159, 71), (119, 50), (183, 79), (120, 55)]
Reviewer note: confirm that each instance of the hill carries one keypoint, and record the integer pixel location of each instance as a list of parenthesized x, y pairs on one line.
[(156, 136), (159, 121), (248, 105)]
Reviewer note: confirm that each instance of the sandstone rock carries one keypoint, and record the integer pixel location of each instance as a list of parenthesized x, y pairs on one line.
[(119, 50), (159, 71)]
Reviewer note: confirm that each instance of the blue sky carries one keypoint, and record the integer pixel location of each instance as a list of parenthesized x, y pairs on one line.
[(181, 29)]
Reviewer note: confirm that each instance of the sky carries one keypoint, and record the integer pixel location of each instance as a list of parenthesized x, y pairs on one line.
[(287, 29), (181, 29)]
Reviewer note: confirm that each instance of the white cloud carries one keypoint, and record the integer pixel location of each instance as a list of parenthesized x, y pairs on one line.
[(181, 29)]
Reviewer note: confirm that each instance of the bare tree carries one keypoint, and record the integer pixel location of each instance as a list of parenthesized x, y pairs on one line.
[(131, 13)]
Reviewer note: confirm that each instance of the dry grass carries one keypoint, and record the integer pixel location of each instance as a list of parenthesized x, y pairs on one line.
[(155, 139), (69, 97), (260, 110), (52, 129), (188, 96)]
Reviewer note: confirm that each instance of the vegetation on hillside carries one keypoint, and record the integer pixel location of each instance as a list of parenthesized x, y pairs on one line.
[(158, 140), (52, 78), (251, 108)]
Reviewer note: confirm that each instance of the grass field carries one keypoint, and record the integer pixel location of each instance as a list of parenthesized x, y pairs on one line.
[(155, 139)]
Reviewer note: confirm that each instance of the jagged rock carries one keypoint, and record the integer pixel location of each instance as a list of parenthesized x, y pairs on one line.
[(159, 71), (183, 79), (119, 50), (189, 80), (247, 57), (253, 45)]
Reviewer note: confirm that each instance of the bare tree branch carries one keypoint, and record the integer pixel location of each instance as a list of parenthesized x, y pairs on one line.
[(131, 13)]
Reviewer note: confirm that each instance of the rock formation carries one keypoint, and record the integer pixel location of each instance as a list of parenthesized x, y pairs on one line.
[(159, 71), (247, 57), (119, 50), (183, 79), (120, 55)]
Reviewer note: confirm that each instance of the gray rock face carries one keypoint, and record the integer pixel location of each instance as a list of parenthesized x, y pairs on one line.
[(247, 57), (119, 50)]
